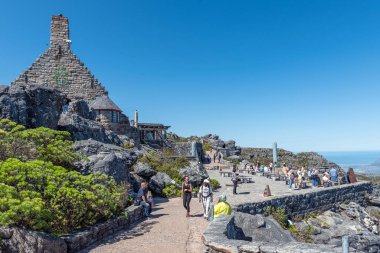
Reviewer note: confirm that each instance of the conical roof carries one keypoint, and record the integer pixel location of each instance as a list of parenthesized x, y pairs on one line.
[(104, 103)]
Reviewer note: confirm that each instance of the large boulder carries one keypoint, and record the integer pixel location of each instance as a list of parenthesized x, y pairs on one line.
[(80, 107), (161, 180), (105, 158), (84, 129), (32, 106), (195, 171), (144, 170), (14, 240)]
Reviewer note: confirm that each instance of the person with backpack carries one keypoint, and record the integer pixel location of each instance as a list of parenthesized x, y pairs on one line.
[(219, 157), (187, 190), (205, 197), (235, 179)]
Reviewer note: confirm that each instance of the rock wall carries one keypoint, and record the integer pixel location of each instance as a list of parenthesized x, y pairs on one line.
[(189, 149), (317, 201), (17, 240)]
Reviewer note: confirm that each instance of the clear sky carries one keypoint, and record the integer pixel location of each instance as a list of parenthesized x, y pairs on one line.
[(303, 73)]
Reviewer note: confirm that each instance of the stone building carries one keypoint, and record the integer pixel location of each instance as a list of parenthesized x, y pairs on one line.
[(58, 67)]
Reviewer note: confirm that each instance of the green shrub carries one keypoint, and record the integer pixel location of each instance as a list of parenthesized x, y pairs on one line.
[(168, 166), (171, 191), (128, 145), (207, 147), (279, 215), (38, 143), (40, 196), (214, 184)]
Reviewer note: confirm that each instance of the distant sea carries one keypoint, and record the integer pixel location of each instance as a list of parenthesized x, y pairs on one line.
[(359, 160)]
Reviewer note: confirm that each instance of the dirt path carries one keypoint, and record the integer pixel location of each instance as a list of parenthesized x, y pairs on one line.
[(168, 231)]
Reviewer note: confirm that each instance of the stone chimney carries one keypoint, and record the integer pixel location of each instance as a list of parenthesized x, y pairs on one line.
[(59, 32)]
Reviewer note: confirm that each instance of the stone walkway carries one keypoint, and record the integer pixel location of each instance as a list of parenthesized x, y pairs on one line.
[(168, 231)]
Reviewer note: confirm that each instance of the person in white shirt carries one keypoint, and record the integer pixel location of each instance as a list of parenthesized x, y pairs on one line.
[(205, 197)]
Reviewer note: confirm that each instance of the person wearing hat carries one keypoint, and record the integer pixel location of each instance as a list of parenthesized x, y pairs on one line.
[(222, 207), (205, 197)]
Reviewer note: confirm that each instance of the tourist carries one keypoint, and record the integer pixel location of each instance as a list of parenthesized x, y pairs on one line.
[(219, 157), (205, 196), (187, 190), (291, 176), (314, 177), (266, 170), (214, 157), (326, 180), (334, 175), (142, 196), (222, 207), (271, 167), (235, 180), (285, 169), (351, 177)]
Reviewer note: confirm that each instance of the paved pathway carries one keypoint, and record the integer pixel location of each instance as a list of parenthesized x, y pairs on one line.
[(169, 231)]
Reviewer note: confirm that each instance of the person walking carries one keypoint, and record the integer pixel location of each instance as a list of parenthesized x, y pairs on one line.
[(291, 179), (206, 197), (234, 179), (219, 157), (214, 157), (187, 190)]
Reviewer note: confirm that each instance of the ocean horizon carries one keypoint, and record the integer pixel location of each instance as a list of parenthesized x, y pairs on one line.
[(361, 161)]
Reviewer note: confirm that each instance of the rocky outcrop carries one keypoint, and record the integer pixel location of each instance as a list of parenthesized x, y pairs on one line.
[(83, 129), (32, 106), (227, 148), (80, 107), (306, 159), (161, 180), (105, 158), (17, 240), (144, 170), (350, 220), (195, 171)]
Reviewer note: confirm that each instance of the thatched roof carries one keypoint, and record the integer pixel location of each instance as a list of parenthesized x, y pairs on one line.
[(104, 103)]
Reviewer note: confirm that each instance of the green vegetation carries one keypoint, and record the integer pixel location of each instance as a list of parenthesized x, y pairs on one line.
[(41, 196), (40, 143), (279, 215), (172, 191), (214, 184), (128, 145), (167, 165), (207, 147)]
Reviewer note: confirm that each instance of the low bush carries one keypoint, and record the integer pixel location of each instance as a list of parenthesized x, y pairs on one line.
[(41, 196), (168, 166), (214, 184), (128, 145), (171, 191), (207, 147)]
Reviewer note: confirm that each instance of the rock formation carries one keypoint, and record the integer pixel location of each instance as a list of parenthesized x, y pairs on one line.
[(32, 106), (105, 158)]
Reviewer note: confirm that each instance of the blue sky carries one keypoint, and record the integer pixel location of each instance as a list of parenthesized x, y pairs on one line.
[(302, 73)]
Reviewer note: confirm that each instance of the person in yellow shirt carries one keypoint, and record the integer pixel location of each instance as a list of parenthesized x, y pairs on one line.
[(222, 207)]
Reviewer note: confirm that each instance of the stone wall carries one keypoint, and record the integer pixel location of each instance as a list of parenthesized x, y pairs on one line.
[(16, 240), (189, 149), (58, 67), (319, 200)]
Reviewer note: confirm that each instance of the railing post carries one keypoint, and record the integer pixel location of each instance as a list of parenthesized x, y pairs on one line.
[(345, 245)]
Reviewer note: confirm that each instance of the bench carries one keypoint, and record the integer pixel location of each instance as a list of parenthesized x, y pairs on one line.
[(225, 173)]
